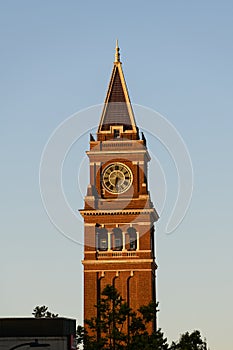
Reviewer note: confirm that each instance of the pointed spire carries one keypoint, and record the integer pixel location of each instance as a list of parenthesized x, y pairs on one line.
[(117, 54), (117, 111)]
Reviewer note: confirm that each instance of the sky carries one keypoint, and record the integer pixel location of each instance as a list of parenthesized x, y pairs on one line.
[(56, 60)]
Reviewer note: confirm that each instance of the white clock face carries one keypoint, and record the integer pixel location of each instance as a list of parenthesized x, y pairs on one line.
[(117, 178)]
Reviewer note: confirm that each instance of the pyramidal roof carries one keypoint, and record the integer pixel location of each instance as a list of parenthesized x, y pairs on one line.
[(117, 109)]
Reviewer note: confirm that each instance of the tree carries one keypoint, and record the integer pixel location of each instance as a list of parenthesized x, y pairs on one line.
[(43, 312), (108, 327), (192, 341), (117, 327), (139, 336)]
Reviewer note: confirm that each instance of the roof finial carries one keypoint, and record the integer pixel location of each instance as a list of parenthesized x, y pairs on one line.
[(117, 54)]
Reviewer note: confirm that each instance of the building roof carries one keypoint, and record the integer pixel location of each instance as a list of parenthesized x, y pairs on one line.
[(36, 327), (117, 109)]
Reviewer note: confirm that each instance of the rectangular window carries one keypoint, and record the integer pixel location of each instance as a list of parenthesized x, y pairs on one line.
[(103, 244), (132, 244), (118, 244)]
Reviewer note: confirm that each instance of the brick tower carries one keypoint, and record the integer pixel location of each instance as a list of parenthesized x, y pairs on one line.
[(118, 213)]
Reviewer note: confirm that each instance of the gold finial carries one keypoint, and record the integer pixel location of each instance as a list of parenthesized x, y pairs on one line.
[(117, 54)]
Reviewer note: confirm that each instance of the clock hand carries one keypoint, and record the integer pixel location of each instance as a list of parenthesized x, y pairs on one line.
[(117, 180)]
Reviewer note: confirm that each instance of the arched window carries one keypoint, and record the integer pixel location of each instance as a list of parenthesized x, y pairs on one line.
[(132, 238), (117, 242), (102, 239)]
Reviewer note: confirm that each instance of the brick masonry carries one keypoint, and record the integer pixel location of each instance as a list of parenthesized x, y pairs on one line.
[(130, 265)]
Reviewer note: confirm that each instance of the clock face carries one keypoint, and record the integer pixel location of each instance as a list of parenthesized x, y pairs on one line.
[(117, 178)]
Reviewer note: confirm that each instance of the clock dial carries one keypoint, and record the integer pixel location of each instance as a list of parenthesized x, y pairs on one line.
[(117, 178)]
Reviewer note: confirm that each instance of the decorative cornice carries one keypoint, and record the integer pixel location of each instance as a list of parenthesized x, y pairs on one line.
[(98, 212), (114, 261), (122, 270), (116, 151)]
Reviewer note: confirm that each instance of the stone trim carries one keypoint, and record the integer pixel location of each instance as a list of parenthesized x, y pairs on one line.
[(114, 261), (120, 270), (117, 212), (138, 251), (117, 151)]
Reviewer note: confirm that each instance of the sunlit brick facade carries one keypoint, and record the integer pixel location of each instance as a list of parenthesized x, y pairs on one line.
[(118, 214)]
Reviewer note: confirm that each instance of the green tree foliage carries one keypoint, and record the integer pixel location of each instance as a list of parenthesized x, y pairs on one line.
[(117, 327), (107, 327), (43, 312), (190, 341)]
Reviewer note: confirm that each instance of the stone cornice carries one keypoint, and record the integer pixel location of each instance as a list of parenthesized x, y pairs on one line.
[(98, 212), (114, 261)]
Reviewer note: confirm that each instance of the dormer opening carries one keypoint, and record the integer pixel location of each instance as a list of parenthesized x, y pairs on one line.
[(116, 134)]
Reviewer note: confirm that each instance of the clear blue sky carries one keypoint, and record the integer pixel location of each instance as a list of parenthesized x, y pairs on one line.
[(56, 59)]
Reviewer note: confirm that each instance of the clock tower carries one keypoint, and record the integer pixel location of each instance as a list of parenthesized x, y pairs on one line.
[(118, 214)]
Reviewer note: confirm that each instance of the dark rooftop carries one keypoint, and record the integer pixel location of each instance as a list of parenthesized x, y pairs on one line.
[(36, 327)]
